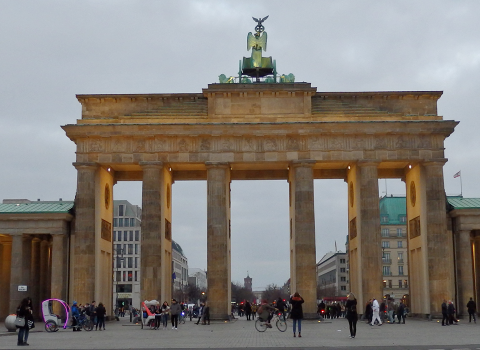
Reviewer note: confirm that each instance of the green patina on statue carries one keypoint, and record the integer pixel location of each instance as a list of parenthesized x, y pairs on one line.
[(257, 66)]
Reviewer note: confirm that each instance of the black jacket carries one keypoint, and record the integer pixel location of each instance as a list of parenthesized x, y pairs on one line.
[(297, 310)]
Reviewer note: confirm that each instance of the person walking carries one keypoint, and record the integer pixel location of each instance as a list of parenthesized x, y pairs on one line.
[(92, 313), (368, 311), (376, 313), (206, 314), (451, 313), (444, 313), (158, 316), (472, 308), (352, 315), (100, 311), (390, 309), (25, 311), (165, 312), (248, 310), (297, 313), (174, 312), (200, 313)]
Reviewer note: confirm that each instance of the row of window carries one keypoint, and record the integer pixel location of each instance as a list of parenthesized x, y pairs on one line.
[(126, 236), (386, 232), (126, 222), (385, 218), (386, 256), (126, 263), (126, 276), (386, 244), (401, 284), (388, 272), (126, 249)]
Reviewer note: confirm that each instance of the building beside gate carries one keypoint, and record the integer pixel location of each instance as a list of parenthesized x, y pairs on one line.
[(332, 275)]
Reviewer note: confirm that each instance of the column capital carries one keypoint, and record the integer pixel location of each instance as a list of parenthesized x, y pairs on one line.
[(209, 165), (303, 163), (84, 165), (435, 162), (151, 164)]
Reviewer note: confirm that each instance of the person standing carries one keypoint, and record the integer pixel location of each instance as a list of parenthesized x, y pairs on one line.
[(472, 308), (390, 309), (368, 311), (174, 312), (352, 315), (75, 316), (248, 310), (92, 313), (451, 313), (297, 313), (25, 311), (158, 316), (100, 311), (401, 312), (165, 312), (444, 313), (376, 313)]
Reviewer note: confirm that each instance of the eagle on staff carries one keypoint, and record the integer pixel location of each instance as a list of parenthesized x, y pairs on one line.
[(257, 42)]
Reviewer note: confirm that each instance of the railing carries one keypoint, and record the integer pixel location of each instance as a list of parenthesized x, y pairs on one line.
[(400, 261), (386, 261)]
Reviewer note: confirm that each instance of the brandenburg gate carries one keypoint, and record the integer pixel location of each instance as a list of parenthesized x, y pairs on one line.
[(263, 131)]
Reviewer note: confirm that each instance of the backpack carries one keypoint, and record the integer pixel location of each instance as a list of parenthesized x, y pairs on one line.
[(260, 310)]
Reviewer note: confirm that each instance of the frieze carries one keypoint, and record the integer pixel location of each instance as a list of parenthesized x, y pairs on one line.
[(248, 144), (139, 145), (293, 144), (270, 144)]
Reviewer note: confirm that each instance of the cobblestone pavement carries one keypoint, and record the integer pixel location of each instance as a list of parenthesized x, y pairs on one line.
[(415, 334)]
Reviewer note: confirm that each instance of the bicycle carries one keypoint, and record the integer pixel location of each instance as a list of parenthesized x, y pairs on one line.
[(278, 319)]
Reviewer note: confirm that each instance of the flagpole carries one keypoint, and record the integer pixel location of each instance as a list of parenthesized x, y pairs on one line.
[(461, 190)]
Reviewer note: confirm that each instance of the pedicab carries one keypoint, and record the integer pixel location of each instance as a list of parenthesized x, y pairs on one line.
[(148, 317), (53, 322)]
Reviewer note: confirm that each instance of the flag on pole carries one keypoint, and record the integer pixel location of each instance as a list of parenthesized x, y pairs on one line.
[(457, 174)]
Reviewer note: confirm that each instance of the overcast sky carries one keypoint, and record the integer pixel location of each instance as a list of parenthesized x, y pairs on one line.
[(52, 50)]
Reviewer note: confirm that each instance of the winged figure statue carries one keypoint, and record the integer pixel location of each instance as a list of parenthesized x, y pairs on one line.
[(257, 43)]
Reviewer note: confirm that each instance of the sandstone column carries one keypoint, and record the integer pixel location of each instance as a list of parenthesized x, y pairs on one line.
[(365, 251), (20, 269), (6, 256), (476, 258), (464, 265), (58, 281), (35, 270), (303, 277), (218, 240), (151, 245), (439, 243), (43, 279), (83, 248)]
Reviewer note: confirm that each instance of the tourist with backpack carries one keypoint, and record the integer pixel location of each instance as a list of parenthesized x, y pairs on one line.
[(352, 315)]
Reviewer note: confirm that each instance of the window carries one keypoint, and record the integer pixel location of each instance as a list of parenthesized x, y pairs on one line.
[(343, 288), (130, 234), (136, 276), (400, 270), (114, 235), (125, 236), (124, 276), (343, 279), (120, 210), (342, 261), (400, 257), (119, 238), (132, 222), (399, 283), (386, 258), (126, 222), (342, 269), (389, 283), (115, 222), (124, 288), (384, 218), (136, 248), (137, 235), (403, 218), (118, 262), (384, 284), (130, 249), (136, 263), (118, 276), (386, 271), (405, 284), (130, 275), (385, 244), (120, 222), (399, 232), (130, 263), (399, 244), (385, 232)]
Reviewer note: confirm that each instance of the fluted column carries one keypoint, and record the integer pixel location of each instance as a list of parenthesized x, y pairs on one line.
[(464, 264), (20, 269), (35, 271), (302, 238), (218, 240), (151, 245), (476, 251), (6, 256), (58, 281), (83, 260), (439, 243)]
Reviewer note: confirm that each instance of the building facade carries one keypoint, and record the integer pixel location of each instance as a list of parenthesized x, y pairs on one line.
[(197, 277), (332, 275), (393, 226), (127, 235)]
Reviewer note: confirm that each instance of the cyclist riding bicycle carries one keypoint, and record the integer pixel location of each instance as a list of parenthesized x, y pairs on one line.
[(265, 312)]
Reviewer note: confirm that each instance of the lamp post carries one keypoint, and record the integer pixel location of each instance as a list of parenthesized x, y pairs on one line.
[(118, 257)]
